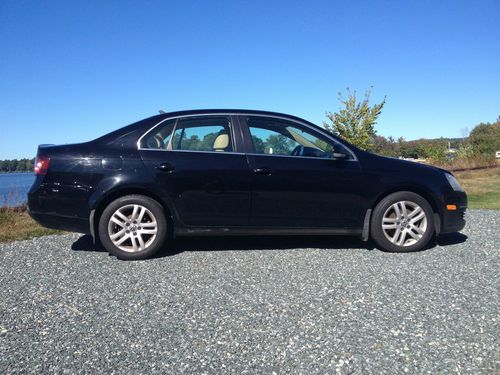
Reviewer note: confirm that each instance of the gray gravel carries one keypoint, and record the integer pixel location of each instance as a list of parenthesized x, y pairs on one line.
[(254, 305)]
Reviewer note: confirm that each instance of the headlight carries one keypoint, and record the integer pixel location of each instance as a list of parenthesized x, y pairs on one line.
[(453, 182)]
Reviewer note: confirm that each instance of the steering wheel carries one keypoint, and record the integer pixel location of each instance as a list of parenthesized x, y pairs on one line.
[(298, 151)]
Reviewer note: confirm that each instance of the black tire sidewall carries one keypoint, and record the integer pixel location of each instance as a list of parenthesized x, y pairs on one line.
[(151, 205), (376, 230)]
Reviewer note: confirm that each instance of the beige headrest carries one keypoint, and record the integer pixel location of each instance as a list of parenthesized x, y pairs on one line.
[(221, 142)]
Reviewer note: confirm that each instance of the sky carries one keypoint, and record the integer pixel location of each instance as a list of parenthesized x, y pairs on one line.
[(71, 71)]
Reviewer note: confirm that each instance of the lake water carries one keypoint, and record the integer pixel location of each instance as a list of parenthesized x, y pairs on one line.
[(14, 187)]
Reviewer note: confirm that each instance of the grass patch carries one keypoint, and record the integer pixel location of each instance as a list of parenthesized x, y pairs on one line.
[(479, 161), (482, 187), (16, 224)]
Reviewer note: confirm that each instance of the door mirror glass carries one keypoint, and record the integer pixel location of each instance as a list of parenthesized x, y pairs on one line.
[(338, 155)]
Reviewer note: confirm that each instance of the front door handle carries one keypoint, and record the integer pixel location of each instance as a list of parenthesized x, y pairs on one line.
[(263, 171), (166, 167)]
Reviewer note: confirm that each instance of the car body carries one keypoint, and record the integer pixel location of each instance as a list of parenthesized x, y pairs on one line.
[(218, 172)]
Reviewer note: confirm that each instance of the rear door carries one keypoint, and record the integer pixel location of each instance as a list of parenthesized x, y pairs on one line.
[(295, 180), (197, 165)]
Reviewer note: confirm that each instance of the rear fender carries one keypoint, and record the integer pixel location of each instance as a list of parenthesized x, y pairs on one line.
[(115, 187)]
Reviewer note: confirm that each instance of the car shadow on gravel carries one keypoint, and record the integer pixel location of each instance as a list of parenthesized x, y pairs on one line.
[(264, 243), (86, 243), (212, 243), (179, 245), (451, 239)]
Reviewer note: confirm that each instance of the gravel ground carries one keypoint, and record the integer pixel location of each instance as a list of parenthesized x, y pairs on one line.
[(288, 305)]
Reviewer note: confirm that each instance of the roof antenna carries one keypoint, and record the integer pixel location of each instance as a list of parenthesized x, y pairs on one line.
[(162, 112)]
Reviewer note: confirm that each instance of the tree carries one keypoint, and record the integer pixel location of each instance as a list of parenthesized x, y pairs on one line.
[(485, 138), (384, 146), (279, 144), (435, 150), (259, 145), (465, 151), (29, 165), (355, 121), (13, 165), (22, 165)]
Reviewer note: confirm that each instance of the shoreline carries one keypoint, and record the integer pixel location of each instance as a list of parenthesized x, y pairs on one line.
[(16, 172)]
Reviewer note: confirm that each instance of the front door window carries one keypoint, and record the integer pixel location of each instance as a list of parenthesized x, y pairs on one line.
[(274, 137)]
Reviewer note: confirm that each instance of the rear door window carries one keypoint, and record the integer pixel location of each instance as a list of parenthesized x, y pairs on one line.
[(212, 134)]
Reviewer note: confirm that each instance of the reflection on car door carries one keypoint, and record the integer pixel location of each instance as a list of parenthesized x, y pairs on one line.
[(299, 191), (195, 163)]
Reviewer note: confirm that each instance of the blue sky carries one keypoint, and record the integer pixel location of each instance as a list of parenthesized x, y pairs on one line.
[(73, 70)]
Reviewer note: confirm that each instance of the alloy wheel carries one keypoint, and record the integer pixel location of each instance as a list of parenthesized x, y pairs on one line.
[(404, 223), (132, 228)]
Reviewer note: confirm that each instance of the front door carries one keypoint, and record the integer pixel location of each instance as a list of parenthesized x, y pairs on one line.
[(195, 163), (296, 182)]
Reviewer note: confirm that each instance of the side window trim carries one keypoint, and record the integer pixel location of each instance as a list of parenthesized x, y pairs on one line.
[(245, 147), (250, 150), (169, 145), (231, 118)]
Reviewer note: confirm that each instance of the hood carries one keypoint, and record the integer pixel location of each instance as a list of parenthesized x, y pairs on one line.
[(373, 161)]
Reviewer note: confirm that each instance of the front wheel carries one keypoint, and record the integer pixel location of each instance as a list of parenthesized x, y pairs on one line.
[(402, 222), (133, 227)]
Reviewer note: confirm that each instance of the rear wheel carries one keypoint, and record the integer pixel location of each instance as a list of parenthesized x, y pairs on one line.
[(402, 222), (133, 227)]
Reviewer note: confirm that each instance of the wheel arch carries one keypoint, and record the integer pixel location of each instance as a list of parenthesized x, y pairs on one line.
[(424, 193), (100, 206)]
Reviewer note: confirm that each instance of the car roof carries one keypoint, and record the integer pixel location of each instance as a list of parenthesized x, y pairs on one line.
[(192, 112), (142, 126)]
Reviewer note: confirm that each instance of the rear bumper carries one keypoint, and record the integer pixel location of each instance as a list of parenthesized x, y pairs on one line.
[(453, 221), (53, 221), (58, 206)]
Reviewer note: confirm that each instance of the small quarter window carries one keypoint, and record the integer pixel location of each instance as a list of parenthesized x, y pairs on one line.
[(159, 137)]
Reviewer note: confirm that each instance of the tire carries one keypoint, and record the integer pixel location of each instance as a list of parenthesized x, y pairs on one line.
[(133, 227), (402, 222)]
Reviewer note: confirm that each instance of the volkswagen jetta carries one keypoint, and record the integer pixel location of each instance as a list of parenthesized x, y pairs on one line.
[(237, 172)]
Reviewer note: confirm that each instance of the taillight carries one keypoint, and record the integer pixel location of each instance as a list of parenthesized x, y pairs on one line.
[(41, 165)]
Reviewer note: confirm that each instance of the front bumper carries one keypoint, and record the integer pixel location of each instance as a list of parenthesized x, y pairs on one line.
[(454, 220)]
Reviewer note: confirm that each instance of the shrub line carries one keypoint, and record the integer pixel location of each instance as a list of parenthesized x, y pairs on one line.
[(474, 168)]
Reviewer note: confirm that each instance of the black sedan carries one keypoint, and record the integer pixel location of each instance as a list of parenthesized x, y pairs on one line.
[(237, 172)]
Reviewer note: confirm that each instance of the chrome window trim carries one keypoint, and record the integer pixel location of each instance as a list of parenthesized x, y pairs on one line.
[(354, 158), (169, 144), (231, 126), (203, 152), (296, 156)]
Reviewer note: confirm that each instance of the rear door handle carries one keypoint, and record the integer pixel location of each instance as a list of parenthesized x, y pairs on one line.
[(263, 171), (166, 167)]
